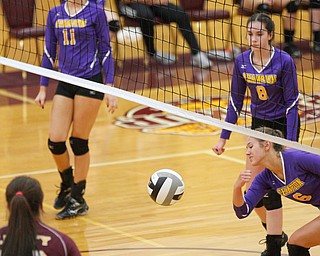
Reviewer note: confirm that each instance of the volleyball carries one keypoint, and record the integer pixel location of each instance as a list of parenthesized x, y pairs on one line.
[(165, 187)]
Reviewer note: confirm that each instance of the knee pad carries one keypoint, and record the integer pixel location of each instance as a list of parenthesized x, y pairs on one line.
[(259, 204), (79, 146), (57, 148), (296, 250), (114, 25), (272, 200), (315, 4), (293, 6), (263, 8)]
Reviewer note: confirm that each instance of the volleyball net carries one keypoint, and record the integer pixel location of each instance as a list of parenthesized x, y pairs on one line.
[(180, 88)]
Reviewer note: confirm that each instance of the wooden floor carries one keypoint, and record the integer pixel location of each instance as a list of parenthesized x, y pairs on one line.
[(123, 220)]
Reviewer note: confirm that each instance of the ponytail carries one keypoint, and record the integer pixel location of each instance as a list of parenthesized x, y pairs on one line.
[(24, 197), (21, 235)]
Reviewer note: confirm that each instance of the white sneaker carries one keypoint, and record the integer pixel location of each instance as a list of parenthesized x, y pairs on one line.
[(164, 58), (200, 60), (228, 54)]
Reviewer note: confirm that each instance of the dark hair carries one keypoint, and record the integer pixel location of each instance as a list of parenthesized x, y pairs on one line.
[(24, 198), (264, 19), (273, 132)]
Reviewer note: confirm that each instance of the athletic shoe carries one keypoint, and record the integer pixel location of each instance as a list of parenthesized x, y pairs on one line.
[(62, 197), (73, 209), (284, 240), (292, 50), (164, 58), (200, 60)]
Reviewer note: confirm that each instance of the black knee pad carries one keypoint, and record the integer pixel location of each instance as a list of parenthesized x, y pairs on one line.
[(296, 250), (114, 25), (293, 6), (57, 148), (263, 8), (259, 204), (315, 4), (79, 146), (272, 200)]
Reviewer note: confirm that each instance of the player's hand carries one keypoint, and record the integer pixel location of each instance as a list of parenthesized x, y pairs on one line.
[(244, 177), (219, 147), (41, 97), (111, 102)]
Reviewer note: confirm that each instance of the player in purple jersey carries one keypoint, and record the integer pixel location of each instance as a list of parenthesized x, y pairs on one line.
[(291, 173), (80, 29), (112, 17), (270, 76), (25, 233)]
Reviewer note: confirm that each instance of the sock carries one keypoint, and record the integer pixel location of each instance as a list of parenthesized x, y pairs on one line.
[(78, 190), (67, 177), (274, 245), (296, 250), (265, 227)]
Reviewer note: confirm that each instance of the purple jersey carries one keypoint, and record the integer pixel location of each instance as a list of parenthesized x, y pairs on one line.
[(50, 241), (84, 43), (273, 89), (301, 181)]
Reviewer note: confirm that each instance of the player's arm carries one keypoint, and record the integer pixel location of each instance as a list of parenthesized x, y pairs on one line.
[(50, 47), (238, 90), (291, 97), (244, 204), (240, 207), (104, 47), (102, 30), (48, 59)]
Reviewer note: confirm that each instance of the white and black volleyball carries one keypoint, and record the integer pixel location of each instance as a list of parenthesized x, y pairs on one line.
[(165, 187)]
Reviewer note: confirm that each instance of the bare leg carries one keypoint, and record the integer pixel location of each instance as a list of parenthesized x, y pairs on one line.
[(85, 113), (308, 235), (274, 220), (60, 122)]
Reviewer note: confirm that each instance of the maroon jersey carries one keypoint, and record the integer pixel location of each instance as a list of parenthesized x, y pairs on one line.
[(50, 242)]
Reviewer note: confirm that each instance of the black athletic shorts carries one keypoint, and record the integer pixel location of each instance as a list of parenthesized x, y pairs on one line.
[(70, 90), (278, 124)]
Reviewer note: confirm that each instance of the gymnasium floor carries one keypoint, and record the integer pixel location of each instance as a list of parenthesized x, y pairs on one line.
[(123, 220), (128, 146)]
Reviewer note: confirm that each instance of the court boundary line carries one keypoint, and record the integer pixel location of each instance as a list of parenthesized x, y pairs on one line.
[(136, 160)]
